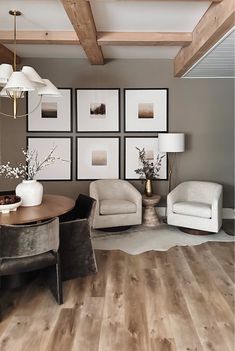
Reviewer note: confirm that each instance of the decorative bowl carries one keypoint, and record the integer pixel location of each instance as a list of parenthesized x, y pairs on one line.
[(9, 203)]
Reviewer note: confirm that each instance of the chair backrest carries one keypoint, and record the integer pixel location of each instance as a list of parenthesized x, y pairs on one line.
[(111, 188), (28, 240), (200, 191), (84, 205), (84, 208)]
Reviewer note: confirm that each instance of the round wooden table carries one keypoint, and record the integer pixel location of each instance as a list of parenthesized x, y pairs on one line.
[(150, 218), (51, 206)]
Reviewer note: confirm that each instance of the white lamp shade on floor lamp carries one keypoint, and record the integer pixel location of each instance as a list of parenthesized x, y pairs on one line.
[(171, 142)]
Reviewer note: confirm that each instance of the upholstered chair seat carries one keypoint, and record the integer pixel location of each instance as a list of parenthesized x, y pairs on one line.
[(196, 205), (119, 203), (117, 206), (27, 264), (192, 208)]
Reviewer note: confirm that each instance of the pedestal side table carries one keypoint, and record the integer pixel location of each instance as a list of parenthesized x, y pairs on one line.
[(150, 218)]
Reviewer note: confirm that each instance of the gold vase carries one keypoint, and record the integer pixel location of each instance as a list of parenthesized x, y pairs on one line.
[(148, 187)]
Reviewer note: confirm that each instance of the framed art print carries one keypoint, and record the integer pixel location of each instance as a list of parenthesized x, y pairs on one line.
[(146, 110), (54, 114), (132, 162), (98, 158), (98, 110), (61, 169)]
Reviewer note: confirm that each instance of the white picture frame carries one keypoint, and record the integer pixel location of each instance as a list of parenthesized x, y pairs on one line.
[(61, 169), (146, 110), (54, 114), (98, 110), (98, 158), (150, 144)]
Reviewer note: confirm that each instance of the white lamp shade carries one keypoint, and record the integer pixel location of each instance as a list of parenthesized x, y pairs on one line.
[(49, 89), (6, 71), (33, 76), (19, 82), (171, 142), (3, 93)]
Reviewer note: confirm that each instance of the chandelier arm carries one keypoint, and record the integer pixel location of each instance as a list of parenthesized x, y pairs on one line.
[(24, 115)]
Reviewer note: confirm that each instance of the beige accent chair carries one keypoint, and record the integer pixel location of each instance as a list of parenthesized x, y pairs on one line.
[(196, 205), (118, 203)]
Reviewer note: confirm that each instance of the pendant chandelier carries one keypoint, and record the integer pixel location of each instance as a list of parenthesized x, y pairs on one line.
[(15, 82)]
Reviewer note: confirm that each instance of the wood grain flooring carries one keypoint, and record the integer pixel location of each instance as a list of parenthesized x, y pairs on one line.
[(179, 300)]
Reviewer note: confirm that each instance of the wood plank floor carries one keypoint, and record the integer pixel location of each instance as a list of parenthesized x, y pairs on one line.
[(179, 300)]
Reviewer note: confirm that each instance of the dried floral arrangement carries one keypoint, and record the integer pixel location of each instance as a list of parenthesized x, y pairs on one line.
[(31, 167), (149, 169)]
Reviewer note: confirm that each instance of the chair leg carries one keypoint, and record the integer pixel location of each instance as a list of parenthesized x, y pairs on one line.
[(53, 278), (1, 307)]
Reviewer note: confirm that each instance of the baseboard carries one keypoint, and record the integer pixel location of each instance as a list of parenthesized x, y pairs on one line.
[(228, 213)]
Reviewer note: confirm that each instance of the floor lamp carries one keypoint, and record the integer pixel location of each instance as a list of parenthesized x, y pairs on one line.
[(171, 143)]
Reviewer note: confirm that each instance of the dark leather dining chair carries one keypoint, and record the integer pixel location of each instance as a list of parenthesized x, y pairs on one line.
[(28, 248), (76, 251)]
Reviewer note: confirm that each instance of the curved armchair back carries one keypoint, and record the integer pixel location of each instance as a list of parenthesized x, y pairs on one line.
[(204, 192), (108, 189), (28, 240)]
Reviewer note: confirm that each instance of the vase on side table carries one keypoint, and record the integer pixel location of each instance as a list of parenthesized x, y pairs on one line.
[(31, 192), (148, 187)]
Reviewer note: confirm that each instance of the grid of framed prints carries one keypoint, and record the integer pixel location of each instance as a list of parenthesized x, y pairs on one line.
[(61, 169), (132, 162), (98, 110), (146, 110), (98, 158), (53, 114)]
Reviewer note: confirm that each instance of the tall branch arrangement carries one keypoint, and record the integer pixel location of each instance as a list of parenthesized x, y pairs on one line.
[(31, 167), (149, 169)]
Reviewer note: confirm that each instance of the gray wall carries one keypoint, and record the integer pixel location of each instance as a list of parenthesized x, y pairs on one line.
[(201, 108)]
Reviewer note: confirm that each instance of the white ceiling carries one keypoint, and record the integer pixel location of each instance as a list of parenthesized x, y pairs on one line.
[(109, 15), (147, 16), (218, 62), (36, 15)]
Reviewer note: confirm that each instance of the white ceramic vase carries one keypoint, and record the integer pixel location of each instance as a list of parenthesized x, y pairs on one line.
[(31, 192)]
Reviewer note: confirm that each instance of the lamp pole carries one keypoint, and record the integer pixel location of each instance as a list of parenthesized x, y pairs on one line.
[(170, 143), (171, 158)]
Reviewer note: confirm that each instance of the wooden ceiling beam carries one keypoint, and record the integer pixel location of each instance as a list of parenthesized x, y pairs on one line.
[(170, 0), (80, 15), (144, 38), (41, 37), (103, 38), (215, 23), (7, 56)]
